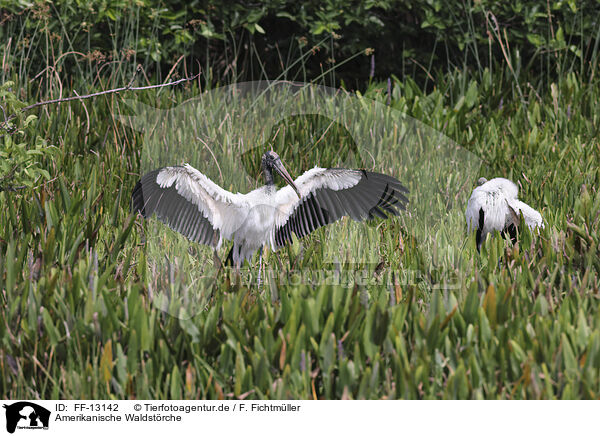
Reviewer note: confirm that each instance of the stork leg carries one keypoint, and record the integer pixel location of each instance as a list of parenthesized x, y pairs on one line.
[(259, 265), (478, 238), (511, 232), (229, 258)]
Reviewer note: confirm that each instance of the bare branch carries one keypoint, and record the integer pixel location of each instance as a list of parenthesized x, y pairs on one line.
[(129, 87), (11, 188)]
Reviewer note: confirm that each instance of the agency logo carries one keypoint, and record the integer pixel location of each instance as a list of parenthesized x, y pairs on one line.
[(26, 415)]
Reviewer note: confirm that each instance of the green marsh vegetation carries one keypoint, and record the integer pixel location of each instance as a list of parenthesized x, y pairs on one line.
[(76, 316)]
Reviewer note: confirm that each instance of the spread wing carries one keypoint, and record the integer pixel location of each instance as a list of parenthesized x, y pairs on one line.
[(189, 202), (329, 194)]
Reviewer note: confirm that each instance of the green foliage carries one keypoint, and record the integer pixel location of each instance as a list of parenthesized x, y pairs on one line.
[(244, 40), (523, 322), (20, 163), (78, 315)]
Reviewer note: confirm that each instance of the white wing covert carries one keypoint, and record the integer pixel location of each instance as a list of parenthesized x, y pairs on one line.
[(190, 203)]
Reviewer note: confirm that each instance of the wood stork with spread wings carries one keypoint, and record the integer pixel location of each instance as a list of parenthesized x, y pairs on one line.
[(494, 206), (190, 203)]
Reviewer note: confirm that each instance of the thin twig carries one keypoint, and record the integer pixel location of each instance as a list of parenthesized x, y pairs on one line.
[(423, 68), (173, 67), (491, 18), (129, 87), (11, 188)]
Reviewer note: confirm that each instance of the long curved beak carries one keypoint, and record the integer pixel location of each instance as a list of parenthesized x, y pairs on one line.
[(286, 176)]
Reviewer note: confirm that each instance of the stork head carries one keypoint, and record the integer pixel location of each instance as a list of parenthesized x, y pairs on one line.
[(481, 181), (271, 161)]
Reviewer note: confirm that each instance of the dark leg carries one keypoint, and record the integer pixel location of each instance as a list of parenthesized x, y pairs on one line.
[(259, 266), (511, 231), (479, 230), (229, 258)]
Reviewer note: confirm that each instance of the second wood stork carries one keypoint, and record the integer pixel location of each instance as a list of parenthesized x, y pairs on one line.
[(190, 203), (494, 206)]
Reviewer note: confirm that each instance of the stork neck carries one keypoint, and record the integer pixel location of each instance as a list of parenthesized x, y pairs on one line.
[(268, 175)]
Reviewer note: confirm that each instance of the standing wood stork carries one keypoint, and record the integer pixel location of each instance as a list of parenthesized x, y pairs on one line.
[(494, 206), (190, 203)]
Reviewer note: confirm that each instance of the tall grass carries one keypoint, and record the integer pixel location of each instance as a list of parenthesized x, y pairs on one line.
[(77, 318)]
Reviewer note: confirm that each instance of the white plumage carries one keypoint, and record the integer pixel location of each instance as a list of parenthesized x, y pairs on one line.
[(189, 202), (494, 206)]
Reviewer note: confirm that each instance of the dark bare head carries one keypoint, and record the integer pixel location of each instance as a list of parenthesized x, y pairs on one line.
[(271, 161)]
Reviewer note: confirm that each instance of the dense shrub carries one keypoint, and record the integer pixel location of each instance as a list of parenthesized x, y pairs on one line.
[(252, 39)]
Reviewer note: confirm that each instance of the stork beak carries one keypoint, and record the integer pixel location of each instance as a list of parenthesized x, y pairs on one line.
[(286, 176)]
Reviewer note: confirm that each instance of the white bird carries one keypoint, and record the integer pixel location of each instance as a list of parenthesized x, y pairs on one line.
[(190, 203), (494, 206)]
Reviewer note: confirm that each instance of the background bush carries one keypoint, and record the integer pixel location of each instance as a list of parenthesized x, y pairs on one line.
[(246, 40)]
